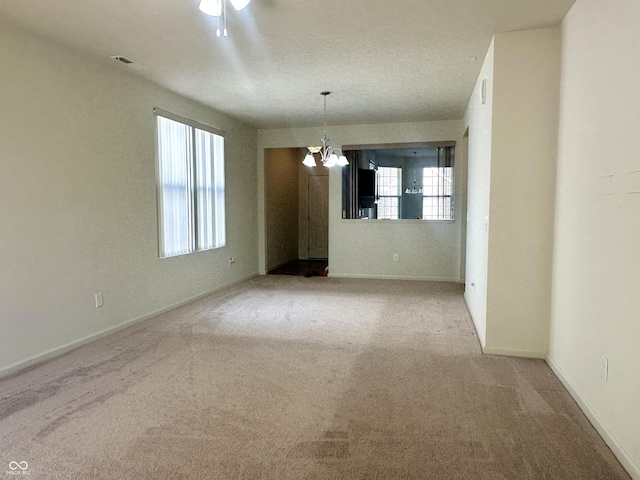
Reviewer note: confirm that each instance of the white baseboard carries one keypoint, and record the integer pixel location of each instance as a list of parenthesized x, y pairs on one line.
[(481, 333), (618, 450), (513, 352), (55, 352), (394, 277)]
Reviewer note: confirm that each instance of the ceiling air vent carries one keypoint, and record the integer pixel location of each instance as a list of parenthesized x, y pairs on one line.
[(122, 59), (130, 63)]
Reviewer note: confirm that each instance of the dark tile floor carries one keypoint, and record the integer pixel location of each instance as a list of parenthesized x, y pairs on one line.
[(301, 267)]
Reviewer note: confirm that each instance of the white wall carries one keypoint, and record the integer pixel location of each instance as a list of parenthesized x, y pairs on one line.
[(428, 250), (281, 175), (523, 167), (78, 200), (596, 273), (479, 119), (511, 179)]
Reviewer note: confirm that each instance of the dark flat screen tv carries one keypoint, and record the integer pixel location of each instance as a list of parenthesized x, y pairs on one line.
[(366, 183), (366, 188)]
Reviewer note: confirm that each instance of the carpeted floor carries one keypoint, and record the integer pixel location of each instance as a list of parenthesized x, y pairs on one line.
[(296, 378)]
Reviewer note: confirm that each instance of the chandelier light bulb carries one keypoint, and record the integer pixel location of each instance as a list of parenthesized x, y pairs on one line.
[(342, 161), (309, 161)]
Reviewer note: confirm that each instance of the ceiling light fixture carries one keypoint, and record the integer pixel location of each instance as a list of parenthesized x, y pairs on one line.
[(329, 156), (415, 189), (218, 8)]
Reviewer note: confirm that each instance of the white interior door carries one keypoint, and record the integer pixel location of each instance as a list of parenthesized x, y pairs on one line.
[(318, 216)]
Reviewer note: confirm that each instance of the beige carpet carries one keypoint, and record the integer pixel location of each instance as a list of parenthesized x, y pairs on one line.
[(299, 378)]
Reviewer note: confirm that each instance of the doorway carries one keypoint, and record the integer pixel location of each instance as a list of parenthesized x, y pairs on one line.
[(296, 214), (318, 217)]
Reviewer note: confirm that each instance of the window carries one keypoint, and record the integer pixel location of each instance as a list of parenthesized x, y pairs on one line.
[(437, 182), (389, 192), (190, 179)]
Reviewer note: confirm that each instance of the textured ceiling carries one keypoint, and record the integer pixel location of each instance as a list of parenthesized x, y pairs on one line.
[(405, 61)]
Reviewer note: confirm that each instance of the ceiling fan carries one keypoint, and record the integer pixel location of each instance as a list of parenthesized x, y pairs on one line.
[(218, 8)]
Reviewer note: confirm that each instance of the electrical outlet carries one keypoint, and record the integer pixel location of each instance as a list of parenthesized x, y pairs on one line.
[(396, 257), (604, 369), (232, 260), (99, 300)]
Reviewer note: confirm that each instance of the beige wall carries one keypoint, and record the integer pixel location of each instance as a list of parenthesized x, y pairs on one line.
[(281, 194), (478, 119), (523, 166), (596, 274), (78, 200), (427, 250)]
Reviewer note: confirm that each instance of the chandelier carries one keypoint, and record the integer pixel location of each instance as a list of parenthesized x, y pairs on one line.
[(415, 189), (329, 156), (218, 8)]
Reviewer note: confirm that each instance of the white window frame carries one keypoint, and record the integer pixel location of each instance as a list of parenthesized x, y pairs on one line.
[(398, 196), (201, 216), (445, 201)]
